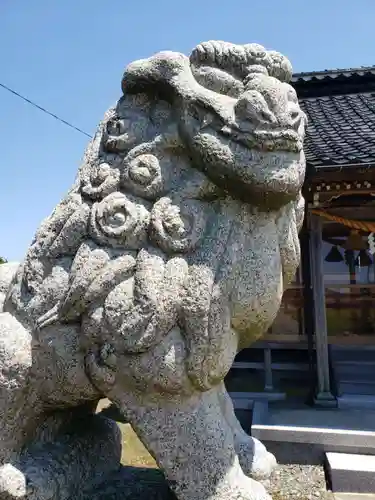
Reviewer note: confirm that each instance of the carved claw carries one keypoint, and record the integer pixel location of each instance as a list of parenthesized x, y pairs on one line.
[(139, 317), (50, 317), (15, 484), (80, 295), (101, 374), (12, 482)]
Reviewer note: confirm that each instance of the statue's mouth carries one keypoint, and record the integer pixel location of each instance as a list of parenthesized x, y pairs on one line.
[(275, 156), (266, 140), (278, 140), (267, 173), (222, 121)]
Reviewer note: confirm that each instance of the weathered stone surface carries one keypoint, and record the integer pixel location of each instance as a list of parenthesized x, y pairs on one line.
[(169, 254)]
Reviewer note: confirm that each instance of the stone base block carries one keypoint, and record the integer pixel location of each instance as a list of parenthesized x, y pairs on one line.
[(351, 473)]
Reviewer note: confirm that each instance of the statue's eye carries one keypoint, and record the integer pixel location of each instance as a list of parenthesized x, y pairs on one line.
[(116, 127), (252, 105)]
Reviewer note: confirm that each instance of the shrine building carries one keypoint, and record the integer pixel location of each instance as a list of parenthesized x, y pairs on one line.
[(319, 355)]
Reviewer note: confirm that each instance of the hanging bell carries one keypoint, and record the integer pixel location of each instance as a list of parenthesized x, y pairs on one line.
[(363, 259), (334, 255)]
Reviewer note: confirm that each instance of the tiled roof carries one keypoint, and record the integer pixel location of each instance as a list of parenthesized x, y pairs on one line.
[(333, 73), (341, 129), (341, 116)]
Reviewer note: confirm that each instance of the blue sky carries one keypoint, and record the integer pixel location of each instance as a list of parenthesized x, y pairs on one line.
[(69, 57)]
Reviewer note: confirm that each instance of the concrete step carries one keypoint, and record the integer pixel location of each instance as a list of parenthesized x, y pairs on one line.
[(354, 496), (354, 374), (353, 354), (356, 381), (245, 400), (355, 401), (360, 372), (325, 430), (355, 387), (350, 473), (356, 361)]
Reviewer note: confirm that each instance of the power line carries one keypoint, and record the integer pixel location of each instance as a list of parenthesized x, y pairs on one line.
[(44, 110)]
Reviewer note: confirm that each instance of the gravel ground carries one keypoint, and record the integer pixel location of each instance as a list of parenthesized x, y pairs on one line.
[(298, 482), (288, 482)]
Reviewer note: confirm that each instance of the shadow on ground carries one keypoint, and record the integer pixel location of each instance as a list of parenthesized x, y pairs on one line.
[(133, 483)]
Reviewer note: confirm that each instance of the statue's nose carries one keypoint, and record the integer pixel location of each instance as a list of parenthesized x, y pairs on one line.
[(293, 116), (271, 104)]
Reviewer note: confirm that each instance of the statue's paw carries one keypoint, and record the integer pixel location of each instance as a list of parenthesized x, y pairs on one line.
[(263, 466), (101, 369), (246, 489), (258, 492), (255, 460), (203, 372), (15, 484)]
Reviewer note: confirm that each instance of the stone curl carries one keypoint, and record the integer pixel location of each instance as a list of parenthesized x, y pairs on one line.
[(241, 58)]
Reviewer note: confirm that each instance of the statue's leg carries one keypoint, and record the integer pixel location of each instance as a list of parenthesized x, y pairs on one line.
[(18, 400), (63, 469), (254, 459), (188, 436)]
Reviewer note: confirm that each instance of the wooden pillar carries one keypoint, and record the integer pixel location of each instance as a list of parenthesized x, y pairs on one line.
[(308, 307), (324, 396)]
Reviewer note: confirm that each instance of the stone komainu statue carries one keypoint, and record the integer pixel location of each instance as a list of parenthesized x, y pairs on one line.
[(168, 255)]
